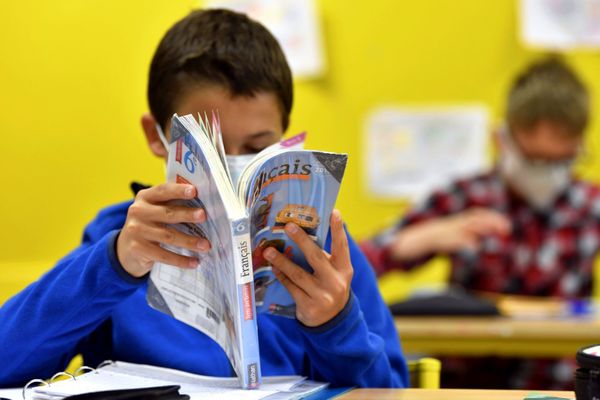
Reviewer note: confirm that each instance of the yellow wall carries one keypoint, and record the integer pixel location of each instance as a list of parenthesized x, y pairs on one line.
[(72, 84)]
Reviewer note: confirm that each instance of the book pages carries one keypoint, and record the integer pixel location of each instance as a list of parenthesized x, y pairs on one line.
[(216, 298), (123, 376)]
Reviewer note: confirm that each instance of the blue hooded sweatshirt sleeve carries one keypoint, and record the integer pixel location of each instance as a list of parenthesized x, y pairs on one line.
[(362, 345), (88, 304), (41, 327)]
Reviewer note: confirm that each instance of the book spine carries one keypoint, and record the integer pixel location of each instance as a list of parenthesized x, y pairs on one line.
[(249, 373)]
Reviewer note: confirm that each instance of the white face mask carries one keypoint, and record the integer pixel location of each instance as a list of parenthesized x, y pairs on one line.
[(539, 183), (162, 137), (236, 165)]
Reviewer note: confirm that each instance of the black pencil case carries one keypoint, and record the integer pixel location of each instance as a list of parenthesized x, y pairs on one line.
[(587, 376), (152, 393)]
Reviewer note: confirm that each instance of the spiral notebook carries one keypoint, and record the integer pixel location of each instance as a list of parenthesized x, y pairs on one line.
[(122, 376)]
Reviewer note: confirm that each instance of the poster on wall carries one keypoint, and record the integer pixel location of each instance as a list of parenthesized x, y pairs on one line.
[(411, 151), (561, 24), (296, 26)]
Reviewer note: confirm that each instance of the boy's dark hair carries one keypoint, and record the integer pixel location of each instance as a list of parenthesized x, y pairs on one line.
[(221, 47), (549, 90)]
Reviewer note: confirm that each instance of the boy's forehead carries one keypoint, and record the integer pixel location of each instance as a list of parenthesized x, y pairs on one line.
[(548, 140), (239, 115)]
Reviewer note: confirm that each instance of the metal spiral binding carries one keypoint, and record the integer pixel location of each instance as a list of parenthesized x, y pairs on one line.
[(105, 363), (40, 381), (83, 369), (59, 374), (79, 371)]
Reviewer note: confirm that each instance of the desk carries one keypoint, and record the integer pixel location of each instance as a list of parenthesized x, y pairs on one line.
[(444, 394), (500, 336)]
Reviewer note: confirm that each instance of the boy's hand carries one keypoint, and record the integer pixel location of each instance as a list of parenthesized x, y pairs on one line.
[(462, 231), (138, 245), (320, 296), (465, 230)]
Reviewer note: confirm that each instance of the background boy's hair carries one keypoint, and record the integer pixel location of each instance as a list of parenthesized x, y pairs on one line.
[(220, 47), (549, 90)]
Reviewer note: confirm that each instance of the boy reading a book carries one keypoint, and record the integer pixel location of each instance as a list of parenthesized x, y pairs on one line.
[(93, 301)]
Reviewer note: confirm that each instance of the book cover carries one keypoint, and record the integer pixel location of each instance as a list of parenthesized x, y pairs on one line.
[(282, 184), (216, 298), (293, 186)]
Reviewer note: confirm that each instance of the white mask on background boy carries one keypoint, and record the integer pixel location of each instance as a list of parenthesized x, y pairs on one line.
[(237, 164), (539, 183)]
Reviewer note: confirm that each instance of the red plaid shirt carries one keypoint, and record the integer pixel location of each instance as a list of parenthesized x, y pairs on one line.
[(547, 254)]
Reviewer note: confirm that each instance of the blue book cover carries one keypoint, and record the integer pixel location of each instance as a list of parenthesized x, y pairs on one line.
[(299, 186)]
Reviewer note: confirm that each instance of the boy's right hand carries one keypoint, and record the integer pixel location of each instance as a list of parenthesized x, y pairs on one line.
[(462, 231), (138, 245)]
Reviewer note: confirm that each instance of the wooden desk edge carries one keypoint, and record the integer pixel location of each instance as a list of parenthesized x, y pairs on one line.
[(446, 394), (495, 336)]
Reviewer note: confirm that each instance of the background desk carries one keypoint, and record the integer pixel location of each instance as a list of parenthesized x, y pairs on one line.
[(444, 394), (496, 335)]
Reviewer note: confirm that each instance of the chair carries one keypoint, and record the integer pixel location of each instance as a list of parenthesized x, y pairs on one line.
[(425, 373), (75, 363)]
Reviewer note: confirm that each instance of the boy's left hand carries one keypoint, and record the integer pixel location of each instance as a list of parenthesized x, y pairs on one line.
[(322, 295)]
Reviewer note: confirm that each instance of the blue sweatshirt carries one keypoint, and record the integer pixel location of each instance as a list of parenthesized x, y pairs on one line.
[(89, 304)]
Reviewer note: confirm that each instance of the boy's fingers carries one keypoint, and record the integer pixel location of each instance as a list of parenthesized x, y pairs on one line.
[(166, 192), (293, 272), (503, 224), (469, 243), (491, 223), (297, 294), (155, 253), (175, 238), (167, 214), (313, 253), (339, 243)]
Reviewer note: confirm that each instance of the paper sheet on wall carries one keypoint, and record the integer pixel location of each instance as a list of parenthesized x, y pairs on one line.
[(561, 24), (411, 151), (296, 26)]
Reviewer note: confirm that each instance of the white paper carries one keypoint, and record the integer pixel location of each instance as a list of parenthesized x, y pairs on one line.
[(561, 24), (295, 25), (122, 375), (13, 394), (411, 151)]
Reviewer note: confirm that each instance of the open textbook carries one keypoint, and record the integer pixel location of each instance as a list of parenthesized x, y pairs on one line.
[(283, 183), (119, 376)]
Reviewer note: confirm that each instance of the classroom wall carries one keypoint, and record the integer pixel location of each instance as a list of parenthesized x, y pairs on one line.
[(73, 77)]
